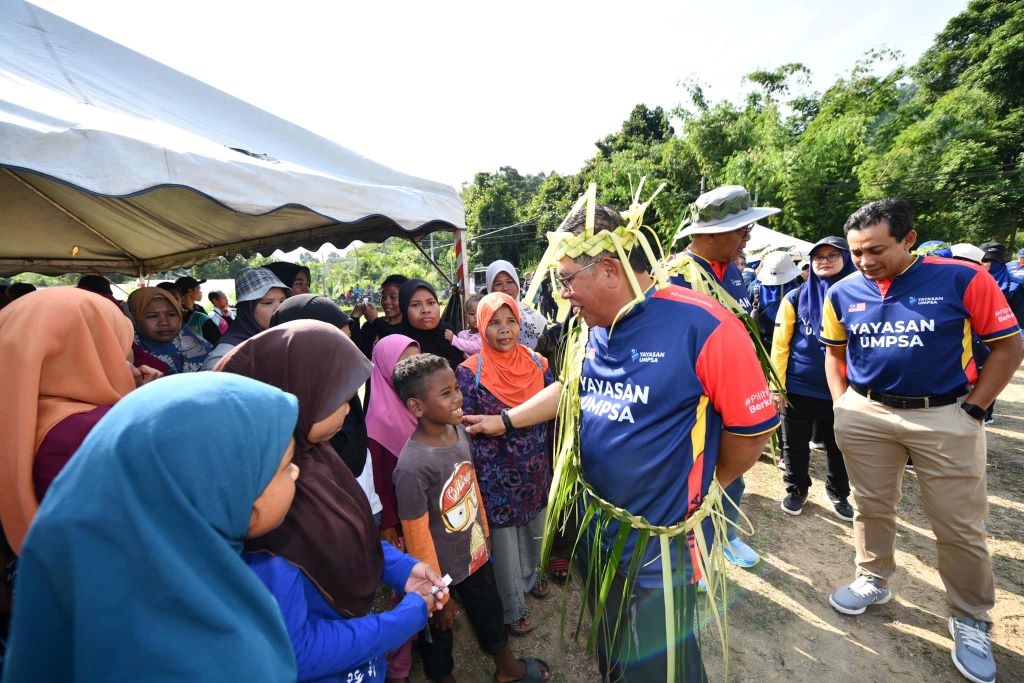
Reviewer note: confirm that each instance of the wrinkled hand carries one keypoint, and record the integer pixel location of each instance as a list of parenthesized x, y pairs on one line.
[(487, 425), (421, 580), (144, 374), (448, 336), (780, 403), (445, 618)]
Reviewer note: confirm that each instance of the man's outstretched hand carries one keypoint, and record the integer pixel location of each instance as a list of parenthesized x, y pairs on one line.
[(485, 425)]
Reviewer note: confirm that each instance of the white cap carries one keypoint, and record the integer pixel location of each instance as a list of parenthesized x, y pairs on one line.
[(967, 251), (777, 268)]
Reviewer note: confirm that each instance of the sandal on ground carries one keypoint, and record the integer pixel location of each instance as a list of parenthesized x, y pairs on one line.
[(558, 570), (535, 669), (521, 626), (540, 588)]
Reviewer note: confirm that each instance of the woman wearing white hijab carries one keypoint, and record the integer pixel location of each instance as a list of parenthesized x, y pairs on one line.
[(502, 277)]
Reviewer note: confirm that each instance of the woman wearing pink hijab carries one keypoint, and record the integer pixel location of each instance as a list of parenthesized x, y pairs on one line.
[(389, 424)]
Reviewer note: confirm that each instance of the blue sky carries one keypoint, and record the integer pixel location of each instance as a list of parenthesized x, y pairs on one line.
[(443, 90)]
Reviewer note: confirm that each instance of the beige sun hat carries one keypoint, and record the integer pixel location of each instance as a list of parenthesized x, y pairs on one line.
[(777, 268), (722, 209)]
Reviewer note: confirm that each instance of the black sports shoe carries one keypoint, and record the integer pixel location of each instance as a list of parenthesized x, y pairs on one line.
[(841, 508), (793, 503)]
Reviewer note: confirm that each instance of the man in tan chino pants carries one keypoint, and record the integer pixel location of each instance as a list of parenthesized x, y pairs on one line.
[(901, 371)]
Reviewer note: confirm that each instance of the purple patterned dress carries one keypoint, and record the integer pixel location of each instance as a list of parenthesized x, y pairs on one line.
[(513, 469)]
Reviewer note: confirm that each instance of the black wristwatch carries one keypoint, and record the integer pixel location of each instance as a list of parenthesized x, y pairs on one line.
[(977, 412)]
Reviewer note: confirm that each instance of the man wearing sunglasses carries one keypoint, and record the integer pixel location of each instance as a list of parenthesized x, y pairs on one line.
[(719, 224)]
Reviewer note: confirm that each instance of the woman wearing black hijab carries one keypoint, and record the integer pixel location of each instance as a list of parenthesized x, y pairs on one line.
[(292, 274), (421, 321), (350, 442)]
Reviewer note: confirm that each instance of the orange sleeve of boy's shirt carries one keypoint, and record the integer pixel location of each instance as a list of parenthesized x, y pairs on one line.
[(419, 543)]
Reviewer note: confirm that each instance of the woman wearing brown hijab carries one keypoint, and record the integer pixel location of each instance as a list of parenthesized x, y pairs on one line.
[(328, 543)]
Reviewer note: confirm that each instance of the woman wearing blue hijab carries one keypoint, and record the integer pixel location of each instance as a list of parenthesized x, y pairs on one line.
[(799, 360), (132, 569)]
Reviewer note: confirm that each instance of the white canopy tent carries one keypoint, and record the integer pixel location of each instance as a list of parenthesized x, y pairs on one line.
[(764, 239), (113, 162)]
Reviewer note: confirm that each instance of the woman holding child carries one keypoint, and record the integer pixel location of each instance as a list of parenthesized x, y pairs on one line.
[(512, 468)]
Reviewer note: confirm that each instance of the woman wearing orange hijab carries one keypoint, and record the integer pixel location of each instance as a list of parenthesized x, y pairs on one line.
[(66, 353), (513, 469)]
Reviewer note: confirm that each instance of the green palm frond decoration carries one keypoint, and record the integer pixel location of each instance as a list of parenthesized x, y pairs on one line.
[(572, 499)]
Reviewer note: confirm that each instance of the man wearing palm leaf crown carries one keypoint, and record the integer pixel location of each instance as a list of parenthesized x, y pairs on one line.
[(671, 398), (719, 224)]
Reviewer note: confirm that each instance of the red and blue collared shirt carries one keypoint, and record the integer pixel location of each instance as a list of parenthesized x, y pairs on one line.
[(655, 397), (913, 336)]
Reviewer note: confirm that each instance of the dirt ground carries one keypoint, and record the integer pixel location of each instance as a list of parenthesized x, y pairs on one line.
[(781, 626)]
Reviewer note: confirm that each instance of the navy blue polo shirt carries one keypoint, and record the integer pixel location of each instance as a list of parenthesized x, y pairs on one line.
[(654, 399), (728, 276), (912, 336)]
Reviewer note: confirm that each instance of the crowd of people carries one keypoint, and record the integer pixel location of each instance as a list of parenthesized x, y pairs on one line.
[(216, 494)]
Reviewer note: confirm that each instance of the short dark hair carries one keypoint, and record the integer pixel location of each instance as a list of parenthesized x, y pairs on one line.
[(895, 211), (170, 287), (409, 375), (216, 294), (19, 289), (396, 280), (97, 284), (608, 218)]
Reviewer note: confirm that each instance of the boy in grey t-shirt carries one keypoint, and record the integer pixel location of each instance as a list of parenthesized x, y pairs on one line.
[(443, 520)]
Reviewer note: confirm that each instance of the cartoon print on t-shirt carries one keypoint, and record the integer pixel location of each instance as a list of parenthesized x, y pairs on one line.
[(460, 510)]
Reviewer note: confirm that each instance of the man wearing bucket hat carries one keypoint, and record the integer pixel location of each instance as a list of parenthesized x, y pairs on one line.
[(776, 277), (903, 379), (719, 224)]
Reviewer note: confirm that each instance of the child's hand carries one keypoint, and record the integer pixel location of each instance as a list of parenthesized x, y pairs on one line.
[(448, 336), (445, 619), (390, 536)]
